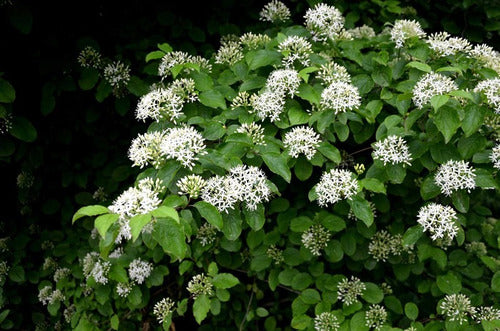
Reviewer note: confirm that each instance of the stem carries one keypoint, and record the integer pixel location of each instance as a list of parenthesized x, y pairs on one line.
[(361, 150), (246, 312)]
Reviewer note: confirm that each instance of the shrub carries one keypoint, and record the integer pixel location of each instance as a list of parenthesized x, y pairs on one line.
[(318, 178)]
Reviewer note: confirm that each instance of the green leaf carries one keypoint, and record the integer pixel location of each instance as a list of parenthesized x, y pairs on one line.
[(447, 121), (137, 86), (372, 184), (330, 151), (154, 55), (358, 322), (255, 218), (170, 235), (460, 200), (412, 235), (165, 211), (303, 169), (300, 224), (484, 179), (310, 296), (103, 222), (411, 311), (438, 101), (213, 99), (224, 280), (232, 224), (261, 58), (429, 188), (88, 79), (420, 66), (118, 273), (16, 274), (22, 129), (300, 322), (93, 210), (210, 213), (308, 93), (203, 82), (361, 209), (473, 119), (7, 92), (449, 283), (165, 47), (495, 282), (137, 223), (277, 163), (468, 146), (372, 293), (115, 322), (201, 306)]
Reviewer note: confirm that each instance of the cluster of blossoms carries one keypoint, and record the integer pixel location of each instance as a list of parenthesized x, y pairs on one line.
[(163, 309), (283, 81), (486, 56), (439, 220), (383, 245), (487, 314), (229, 53), (491, 89), (275, 12), (333, 72), (301, 140), (336, 185), (207, 233), (139, 270), (495, 156), (375, 317), (61, 273), (326, 321), (191, 185), (89, 57), (25, 179), (172, 59), (404, 30), (268, 104), (361, 32), (349, 290), (392, 149), (295, 49), (94, 266), (4, 270), (123, 289), (49, 264), (430, 85), (457, 307), (117, 74), (180, 143), (316, 238), (324, 22), (373, 209), (200, 285), (455, 175), (275, 254), (48, 296), (254, 131), (340, 96), (443, 44), (116, 253), (476, 247), (69, 313), (242, 99), (5, 122), (253, 41), (245, 184)]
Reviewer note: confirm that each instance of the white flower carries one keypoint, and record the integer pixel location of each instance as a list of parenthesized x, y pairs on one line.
[(336, 185), (324, 22), (455, 175), (160, 104), (125, 231), (363, 31), (116, 253), (172, 59), (495, 156), (275, 12), (90, 58), (491, 89), (340, 97), (183, 144), (163, 309), (269, 104), (192, 185), (241, 100), (430, 85), (404, 30), (137, 201), (253, 41), (254, 131), (383, 244), (229, 53), (301, 140), (375, 316), (61, 273), (123, 289), (487, 314), (145, 149), (219, 191), (251, 185), (139, 270), (117, 74), (439, 220), (284, 81), (207, 233), (349, 290), (332, 72), (200, 284), (443, 44), (326, 321), (295, 48), (45, 295), (316, 238), (95, 267), (392, 149), (456, 307), (487, 56)]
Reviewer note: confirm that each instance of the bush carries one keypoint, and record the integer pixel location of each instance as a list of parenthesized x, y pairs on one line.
[(317, 177)]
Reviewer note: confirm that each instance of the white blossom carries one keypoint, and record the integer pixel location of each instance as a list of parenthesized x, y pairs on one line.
[(301, 140), (191, 185), (438, 220), (375, 316), (117, 74), (455, 175), (495, 156), (268, 104), (404, 30), (443, 44), (220, 191), (487, 56), (340, 97), (333, 72), (200, 284), (229, 53), (254, 41), (183, 144), (254, 131), (430, 85), (336, 185), (89, 57), (485, 313), (361, 32), (275, 12), (457, 307), (61, 273), (284, 81), (383, 244), (326, 321), (392, 149), (123, 289), (160, 104), (207, 233), (349, 290), (172, 59), (145, 149), (324, 22), (295, 48), (139, 270), (94, 266), (316, 238), (491, 89), (163, 309), (117, 253)]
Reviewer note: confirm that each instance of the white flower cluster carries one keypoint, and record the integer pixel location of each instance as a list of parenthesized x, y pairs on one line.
[(375, 317), (383, 244), (145, 149), (163, 309), (333, 72), (430, 85), (116, 253), (94, 266), (49, 264), (275, 254), (254, 41), (139, 270), (69, 313), (61, 273), (123, 289), (392, 149), (336, 185), (48, 296), (326, 321), (229, 53), (301, 140), (200, 284), (491, 89), (191, 185), (138, 200), (495, 156), (245, 184), (439, 220), (443, 44), (207, 233), (404, 30), (172, 59), (242, 99), (275, 12), (4, 270), (340, 97), (324, 22), (89, 57), (457, 307), (361, 32), (268, 104), (295, 48), (284, 81), (455, 175), (254, 131), (316, 238), (117, 74), (487, 314), (487, 56), (349, 290)]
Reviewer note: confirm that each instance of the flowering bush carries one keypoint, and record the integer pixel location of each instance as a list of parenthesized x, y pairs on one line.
[(314, 177)]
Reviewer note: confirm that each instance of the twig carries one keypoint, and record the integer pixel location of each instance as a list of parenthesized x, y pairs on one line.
[(361, 150), (246, 313)]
